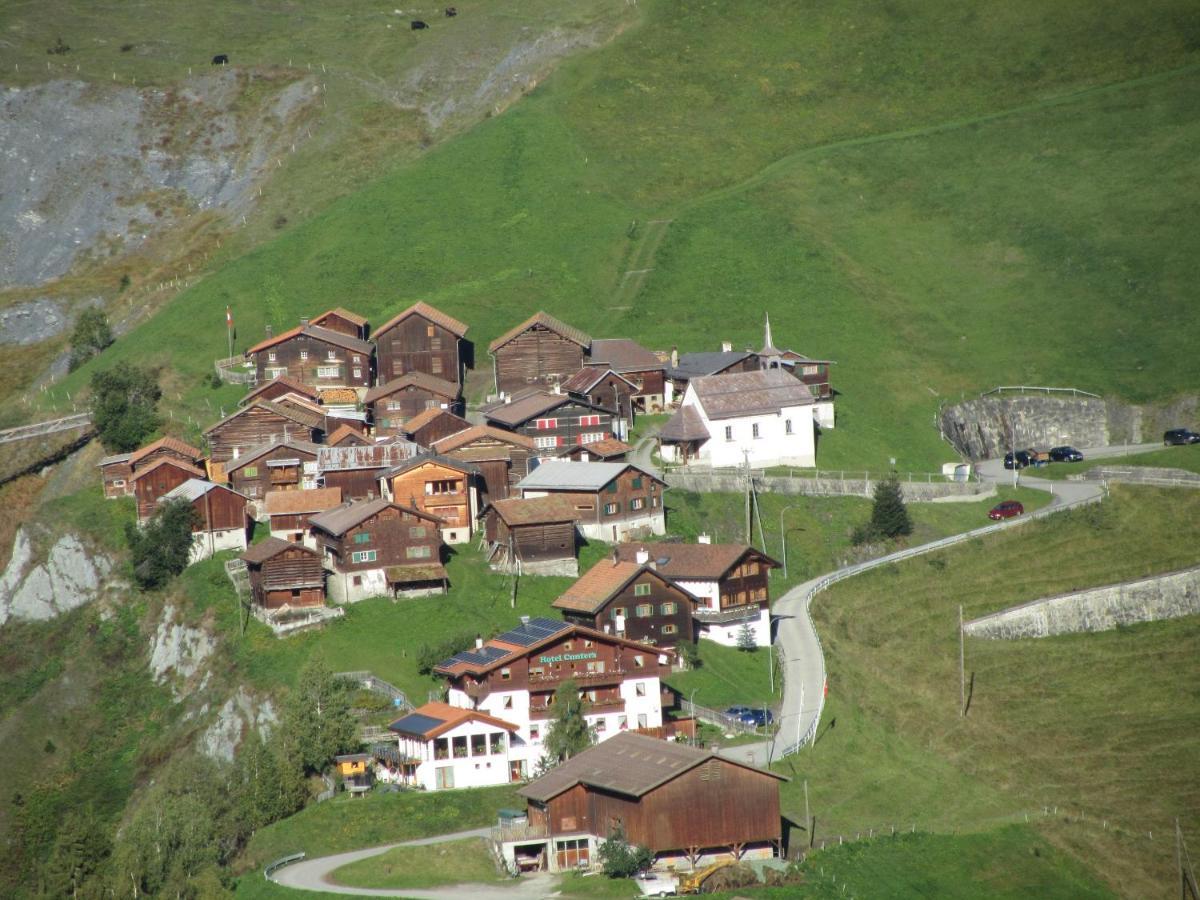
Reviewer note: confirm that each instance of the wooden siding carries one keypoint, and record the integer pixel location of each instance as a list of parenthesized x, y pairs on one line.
[(647, 629), (438, 490), (154, 484), (356, 484), (288, 577), (396, 536), (625, 491), (418, 345), (219, 510), (257, 478), (165, 453), (335, 321), (563, 425), (745, 585), (256, 426), (715, 804), (116, 480), (536, 356), (532, 543), (289, 356), (441, 427), (390, 413), (611, 392)]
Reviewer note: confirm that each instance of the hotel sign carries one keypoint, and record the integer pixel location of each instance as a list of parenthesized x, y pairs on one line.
[(567, 657)]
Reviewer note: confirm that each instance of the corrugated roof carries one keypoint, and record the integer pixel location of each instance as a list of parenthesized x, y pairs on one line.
[(305, 448), (750, 393), (597, 585), (431, 313), (694, 365), (477, 432), (535, 510), (113, 460), (271, 547), (340, 519), (194, 489), (422, 380), (685, 425), (166, 443), (629, 764), (624, 355), (589, 376), (519, 411), (569, 475), (366, 456), (290, 503), (168, 461), (679, 560), (546, 321), (435, 718), (288, 381)]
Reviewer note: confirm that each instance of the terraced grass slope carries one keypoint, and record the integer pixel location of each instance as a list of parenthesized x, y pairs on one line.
[(927, 193), (1096, 728)]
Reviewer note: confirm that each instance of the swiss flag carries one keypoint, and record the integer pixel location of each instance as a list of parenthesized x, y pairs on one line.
[(229, 317)]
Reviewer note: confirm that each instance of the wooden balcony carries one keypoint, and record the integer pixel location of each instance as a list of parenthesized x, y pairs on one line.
[(615, 674)]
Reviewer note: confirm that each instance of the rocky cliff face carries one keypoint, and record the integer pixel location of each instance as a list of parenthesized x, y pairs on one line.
[(70, 577)]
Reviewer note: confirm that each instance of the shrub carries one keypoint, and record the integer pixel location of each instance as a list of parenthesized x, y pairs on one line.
[(91, 335), (619, 858), (125, 406), (161, 549)]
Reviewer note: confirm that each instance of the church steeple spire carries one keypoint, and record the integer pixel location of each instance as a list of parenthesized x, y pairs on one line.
[(768, 344)]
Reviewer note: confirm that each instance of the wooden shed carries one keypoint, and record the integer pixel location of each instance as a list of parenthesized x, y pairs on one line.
[(502, 457), (535, 536), (422, 339), (540, 351), (157, 479), (432, 425), (284, 574), (262, 422)]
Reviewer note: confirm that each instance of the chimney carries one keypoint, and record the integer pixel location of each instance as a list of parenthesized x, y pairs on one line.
[(478, 642), (303, 320), (703, 538), (557, 388), (616, 556), (524, 620), (726, 346), (674, 357), (270, 332), (643, 556)]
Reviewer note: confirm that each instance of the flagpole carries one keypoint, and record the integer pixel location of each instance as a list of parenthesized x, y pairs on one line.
[(229, 328)]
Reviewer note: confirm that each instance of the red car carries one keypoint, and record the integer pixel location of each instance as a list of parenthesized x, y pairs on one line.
[(1006, 510)]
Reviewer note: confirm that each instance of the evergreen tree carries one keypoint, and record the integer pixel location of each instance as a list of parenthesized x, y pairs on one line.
[(91, 335), (569, 732), (79, 849), (125, 406), (317, 723), (745, 638), (160, 550), (889, 515)]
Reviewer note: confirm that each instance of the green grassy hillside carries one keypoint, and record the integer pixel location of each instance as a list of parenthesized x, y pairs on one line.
[(1099, 725), (933, 196)]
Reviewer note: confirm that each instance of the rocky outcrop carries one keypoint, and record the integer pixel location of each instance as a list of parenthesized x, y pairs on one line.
[(178, 650), (70, 577), (1099, 609), (239, 713)]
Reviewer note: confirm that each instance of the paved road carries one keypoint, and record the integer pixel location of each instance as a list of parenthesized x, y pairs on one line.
[(313, 875), (796, 638)]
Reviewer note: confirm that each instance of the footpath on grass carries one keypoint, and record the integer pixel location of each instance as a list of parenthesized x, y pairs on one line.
[(799, 646)]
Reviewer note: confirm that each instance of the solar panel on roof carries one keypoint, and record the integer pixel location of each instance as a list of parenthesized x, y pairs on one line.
[(533, 631), (415, 723)]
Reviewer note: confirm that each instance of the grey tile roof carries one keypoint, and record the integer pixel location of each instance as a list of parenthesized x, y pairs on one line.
[(750, 393), (568, 475), (685, 425), (693, 365), (193, 489), (624, 355)]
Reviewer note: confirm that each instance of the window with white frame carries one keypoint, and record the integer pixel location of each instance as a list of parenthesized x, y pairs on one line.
[(585, 421), (363, 556), (610, 509), (331, 354), (670, 629), (729, 432), (422, 552), (639, 689), (328, 371), (642, 590), (546, 443), (358, 373), (787, 426), (591, 437), (270, 356), (637, 503)]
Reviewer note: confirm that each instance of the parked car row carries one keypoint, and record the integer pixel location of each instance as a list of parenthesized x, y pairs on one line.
[(1022, 458), (1177, 436)]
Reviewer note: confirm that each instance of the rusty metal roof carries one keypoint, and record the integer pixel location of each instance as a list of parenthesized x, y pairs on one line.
[(750, 393), (291, 503)]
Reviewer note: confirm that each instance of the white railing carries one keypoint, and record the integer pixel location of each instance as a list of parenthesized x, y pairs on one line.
[(38, 429), (1025, 388), (908, 553)]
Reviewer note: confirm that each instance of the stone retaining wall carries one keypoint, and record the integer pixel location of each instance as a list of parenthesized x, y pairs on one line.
[(1098, 609), (732, 483)]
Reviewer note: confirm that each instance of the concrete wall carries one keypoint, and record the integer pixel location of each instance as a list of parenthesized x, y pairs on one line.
[(1098, 609), (732, 483), (1141, 475)]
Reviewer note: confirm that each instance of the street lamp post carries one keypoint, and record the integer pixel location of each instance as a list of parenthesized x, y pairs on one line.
[(692, 710)]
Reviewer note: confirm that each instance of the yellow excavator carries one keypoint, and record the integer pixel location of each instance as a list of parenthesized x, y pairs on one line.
[(693, 882)]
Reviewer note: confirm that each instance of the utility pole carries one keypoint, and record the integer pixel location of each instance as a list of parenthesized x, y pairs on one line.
[(807, 815), (783, 537), (962, 674), (746, 455), (1188, 888)]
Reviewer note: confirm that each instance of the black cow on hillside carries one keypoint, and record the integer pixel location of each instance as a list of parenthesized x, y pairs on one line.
[(221, 59), (451, 12), (418, 25)]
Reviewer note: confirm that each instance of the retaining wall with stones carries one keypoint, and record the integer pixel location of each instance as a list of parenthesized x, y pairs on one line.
[(732, 483), (1098, 609)]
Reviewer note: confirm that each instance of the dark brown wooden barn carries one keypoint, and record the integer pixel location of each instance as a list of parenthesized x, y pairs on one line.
[(392, 405), (259, 423), (157, 479), (540, 351), (431, 426), (631, 601), (502, 457), (422, 339), (284, 574), (685, 804), (536, 536)]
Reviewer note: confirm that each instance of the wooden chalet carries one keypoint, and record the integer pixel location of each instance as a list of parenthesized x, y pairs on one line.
[(280, 387), (441, 486), (608, 450), (346, 435), (284, 574), (392, 405), (343, 322), (632, 601), (687, 805), (427, 428), (262, 422), (288, 512), (116, 474), (222, 521), (730, 580), (317, 356), (166, 448), (541, 351), (636, 364), (727, 361), (378, 548), (289, 465), (157, 479), (535, 536), (603, 387), (356, 469), (554, 420), (423, 339), (615, 501), (502, 457)]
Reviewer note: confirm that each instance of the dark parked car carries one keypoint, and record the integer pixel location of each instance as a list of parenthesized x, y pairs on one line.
[(1020, 460), (757, 717), (1006, 510), (1180, 436), (1065, 454), (736, 712)]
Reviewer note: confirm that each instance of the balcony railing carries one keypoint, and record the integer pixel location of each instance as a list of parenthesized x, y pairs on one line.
[(585, 676), (745, 612), (530, 831)]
